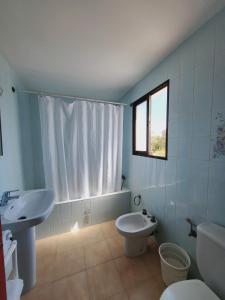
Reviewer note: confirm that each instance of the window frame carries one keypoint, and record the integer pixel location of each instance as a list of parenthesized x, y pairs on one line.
[(134, 105)]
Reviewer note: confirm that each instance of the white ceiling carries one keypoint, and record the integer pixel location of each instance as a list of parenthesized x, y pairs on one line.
[(94, 48)]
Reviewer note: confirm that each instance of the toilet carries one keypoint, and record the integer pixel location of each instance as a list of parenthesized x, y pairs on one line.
[(135, 228), (211, 264)]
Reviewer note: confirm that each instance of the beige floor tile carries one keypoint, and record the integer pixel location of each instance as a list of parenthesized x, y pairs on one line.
[(70, 242), (91, 234), (152, 262), (116, 245), (44, 293), (97, 253), (120, 296), (109, 229), (45, 269), (131, 270), (46, 246), (62, 260), (80, 238), (104, 281), (150, 289), (68, 263), (58, 259), (71, 288), (153, 246)]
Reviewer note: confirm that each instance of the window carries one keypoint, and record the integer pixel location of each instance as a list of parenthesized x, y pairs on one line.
[(150, 123)]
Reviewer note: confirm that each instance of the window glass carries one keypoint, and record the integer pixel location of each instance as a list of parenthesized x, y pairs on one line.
[(158, 123), (141, 127)]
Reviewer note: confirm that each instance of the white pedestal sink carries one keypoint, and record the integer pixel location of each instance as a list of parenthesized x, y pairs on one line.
[(21, 216)]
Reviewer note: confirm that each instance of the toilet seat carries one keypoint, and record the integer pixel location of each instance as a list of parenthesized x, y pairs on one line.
[(189, 290)]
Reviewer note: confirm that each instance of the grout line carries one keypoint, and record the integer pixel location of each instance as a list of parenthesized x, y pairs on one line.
[(90, 292)]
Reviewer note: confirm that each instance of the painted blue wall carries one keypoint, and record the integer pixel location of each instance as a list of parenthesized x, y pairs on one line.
[(11, 163), (191, 183), (30, 132), (18, 165)]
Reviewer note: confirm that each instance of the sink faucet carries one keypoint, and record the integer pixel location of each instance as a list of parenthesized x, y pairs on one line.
[(6, 196)]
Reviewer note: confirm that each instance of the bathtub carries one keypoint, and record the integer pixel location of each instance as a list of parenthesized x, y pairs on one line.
[(74, 214)]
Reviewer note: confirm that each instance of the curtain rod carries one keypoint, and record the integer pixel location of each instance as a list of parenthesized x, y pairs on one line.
[(72, 97)]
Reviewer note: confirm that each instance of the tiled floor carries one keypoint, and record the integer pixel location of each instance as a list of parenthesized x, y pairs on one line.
[(90, 264)]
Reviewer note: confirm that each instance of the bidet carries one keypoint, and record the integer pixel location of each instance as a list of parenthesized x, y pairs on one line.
[(135, 228)]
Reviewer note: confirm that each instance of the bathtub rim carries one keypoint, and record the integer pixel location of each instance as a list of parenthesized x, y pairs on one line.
[(125, 190)]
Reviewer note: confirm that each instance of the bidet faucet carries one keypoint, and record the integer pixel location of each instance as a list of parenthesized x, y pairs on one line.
[(6, 196), (145, 213)]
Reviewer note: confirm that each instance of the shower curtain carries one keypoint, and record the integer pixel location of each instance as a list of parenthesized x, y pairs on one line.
[(82, 147)]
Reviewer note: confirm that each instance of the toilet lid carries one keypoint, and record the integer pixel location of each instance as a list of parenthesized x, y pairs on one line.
[(188, 289)]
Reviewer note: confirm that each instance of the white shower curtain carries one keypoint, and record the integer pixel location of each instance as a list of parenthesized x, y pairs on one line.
[(82, 147)]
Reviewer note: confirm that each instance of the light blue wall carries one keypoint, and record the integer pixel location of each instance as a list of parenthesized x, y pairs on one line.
[(11, 163), (31, 142), (191, 183), (19, 165)]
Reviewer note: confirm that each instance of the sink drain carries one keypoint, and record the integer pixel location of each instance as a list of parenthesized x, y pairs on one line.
[(22, 218)]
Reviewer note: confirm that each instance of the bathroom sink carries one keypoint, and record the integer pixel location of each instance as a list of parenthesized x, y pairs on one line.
[(30, 209), (21, 216)]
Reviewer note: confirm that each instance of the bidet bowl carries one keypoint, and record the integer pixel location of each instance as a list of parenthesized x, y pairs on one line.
[(135, 225), (136, 228)]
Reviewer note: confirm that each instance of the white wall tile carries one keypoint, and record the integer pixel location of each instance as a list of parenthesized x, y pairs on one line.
[(194, 179), (216, 203), (205, 44), (184, 124), (200, 148), (201, 123), (186, 97), (67, 215), (220, 29), (219, 91), (184, 147), (186, 51)]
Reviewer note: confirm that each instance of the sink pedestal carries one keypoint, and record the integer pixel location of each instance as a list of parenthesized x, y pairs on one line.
[(26, 257)]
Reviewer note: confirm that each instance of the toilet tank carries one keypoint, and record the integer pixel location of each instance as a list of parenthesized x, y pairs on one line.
[(211, 256)]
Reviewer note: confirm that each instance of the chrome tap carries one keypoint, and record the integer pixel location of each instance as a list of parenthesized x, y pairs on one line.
[(6, 196)]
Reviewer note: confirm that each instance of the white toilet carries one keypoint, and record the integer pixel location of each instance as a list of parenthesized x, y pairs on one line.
[(211, 264), (136, 227)]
